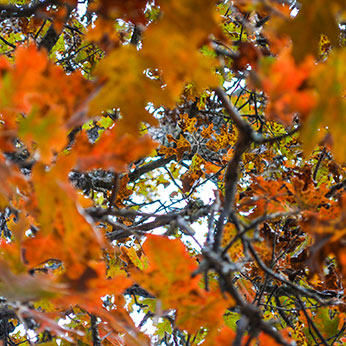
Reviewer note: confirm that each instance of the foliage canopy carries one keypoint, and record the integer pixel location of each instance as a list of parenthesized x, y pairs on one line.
[(172, 172)]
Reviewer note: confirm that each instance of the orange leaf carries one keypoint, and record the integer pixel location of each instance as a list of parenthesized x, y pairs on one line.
[(123, 84), (112, 151), (284, 82), (169, 278), (46, 97), (92, 284), (61, 223)]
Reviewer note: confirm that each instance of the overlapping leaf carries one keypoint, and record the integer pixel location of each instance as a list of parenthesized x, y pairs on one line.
[(113, 150), (179, 59), (169, 278), (319, 19), (286, 85), (124, 85), (41, 107), (329, 112), (56, 209)]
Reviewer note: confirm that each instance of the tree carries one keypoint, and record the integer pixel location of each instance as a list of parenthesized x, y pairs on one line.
[(173, 172)]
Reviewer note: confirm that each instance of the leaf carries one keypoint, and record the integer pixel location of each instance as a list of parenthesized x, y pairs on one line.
[(130, 256), (103, 33), (330, 108), (47, 106), (187, 124), (123, 84), (14, 181), (56, 209), (169, 278), (46, 322), (266, 340), (119, 323), (179, 59), (78, 161), (286, 85), (268, 196), (208, 131), (113, 150), (129, 10), (248, 55), (326, 323), (319, 19), (202, 309), (180, 62), (168, 274), (25, 287), (46, 131), (225, 336), (182, 145), (229, 233), (87, 289), (227, 137)]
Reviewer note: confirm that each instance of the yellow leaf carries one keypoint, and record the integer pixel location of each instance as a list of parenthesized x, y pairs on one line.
[(179, 58), (319, 19), (124, 85), (329, 79)]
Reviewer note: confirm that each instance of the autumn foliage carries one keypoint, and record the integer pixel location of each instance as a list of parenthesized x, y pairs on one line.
[(173, 172)]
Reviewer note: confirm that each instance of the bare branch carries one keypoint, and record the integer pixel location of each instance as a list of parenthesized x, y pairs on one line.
[(138, 172), (231, 179), (242, 125)]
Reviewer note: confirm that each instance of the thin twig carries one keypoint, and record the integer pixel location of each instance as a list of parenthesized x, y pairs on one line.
[(311, 322), (318, 164), (8, 43), (241, 124), (335, 188), (251, 312), (138, 172), (94, 332), (278, 138), (302, 290), (112, 198), (187, 229), (253, 225)]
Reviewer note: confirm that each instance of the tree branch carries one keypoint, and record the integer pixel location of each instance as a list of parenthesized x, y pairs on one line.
[(10, 11), (138, 172), (94, 332)]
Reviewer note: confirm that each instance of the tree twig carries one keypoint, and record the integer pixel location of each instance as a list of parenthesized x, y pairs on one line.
[(9, 11), (311, 323), (94, 332), (138, 172)]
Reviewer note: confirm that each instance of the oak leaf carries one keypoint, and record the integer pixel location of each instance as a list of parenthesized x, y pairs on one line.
[(123, 84), (319, 19), (179, 59), (168, 276), (25, 287), (114, 150), (285, 83), (46, 97), (182, 146), (330, 109), (54, 204)]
